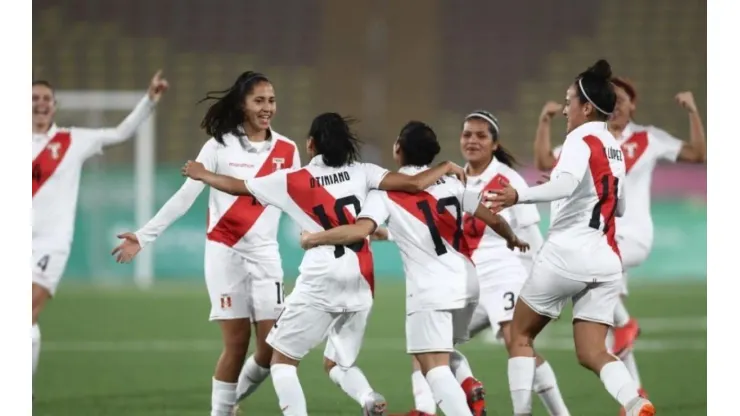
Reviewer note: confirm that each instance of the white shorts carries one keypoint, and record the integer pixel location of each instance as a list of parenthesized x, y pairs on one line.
[(239, 288), (301, 327), (497, 297), (546, 292), (633, 255), (437, 331), (48, 267)]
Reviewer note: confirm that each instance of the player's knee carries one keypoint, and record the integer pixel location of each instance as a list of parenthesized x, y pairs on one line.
[(236, 338), (588, 356), (328, 365)]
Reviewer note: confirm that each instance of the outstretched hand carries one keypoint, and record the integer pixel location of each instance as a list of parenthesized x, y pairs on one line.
[(128, 249), (157, 86), (500, 198), (194, 170)]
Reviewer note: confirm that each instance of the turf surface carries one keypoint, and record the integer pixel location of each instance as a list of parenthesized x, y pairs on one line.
[(116, 352)]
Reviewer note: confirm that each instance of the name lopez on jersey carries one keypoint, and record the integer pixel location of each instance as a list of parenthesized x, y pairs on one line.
[(325, 180), (612, 153)]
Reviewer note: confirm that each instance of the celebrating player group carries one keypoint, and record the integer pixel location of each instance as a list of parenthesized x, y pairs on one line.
[(473, 254)]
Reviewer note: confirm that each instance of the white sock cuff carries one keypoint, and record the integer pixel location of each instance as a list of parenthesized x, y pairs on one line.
[(438, 372), (282, 368), (35, 333), (544, 377), (223, 385), (521, 370), (255, 368), (336, 374)]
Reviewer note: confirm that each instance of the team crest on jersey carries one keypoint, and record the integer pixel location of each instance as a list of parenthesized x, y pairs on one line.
[(278, 162), (54, 149), (225, 302)]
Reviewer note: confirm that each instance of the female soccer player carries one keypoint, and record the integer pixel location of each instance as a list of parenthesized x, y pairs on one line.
[(580, 259), (243, 271), (58, 157), (501, 272), (333, 294), (643, 147)]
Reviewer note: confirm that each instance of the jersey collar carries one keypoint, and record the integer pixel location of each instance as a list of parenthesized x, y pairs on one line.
[(51, 133), (491, 169), (252, 148), (412, 170)]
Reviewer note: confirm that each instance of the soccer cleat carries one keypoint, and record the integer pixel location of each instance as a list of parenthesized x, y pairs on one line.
[(476, 396), (625, 336), (375, 405), (643, 395), (640, 407)]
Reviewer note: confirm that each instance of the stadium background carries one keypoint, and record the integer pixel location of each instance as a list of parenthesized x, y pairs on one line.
[(384, 62)]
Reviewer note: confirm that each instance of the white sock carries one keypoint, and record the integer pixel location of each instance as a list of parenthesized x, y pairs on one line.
[(423, 396), (546, 386), (621, 316), (36, 346), (250, 378), (631, 364), (521, 383), (223, 398), (610, 340), (460, 367), (447, 391), (353, 382), (618, 382), (288, 388)]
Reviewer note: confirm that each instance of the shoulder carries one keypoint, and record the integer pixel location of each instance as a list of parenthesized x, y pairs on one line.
[(283, 139), (512, 175)]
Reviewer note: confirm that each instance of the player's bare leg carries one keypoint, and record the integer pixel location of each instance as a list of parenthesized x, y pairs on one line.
[(284, 372), (524, 328), (545, 383), (353, 382), (590, 343), (39, 297), (257, 367), (447, 391), (235, 335)]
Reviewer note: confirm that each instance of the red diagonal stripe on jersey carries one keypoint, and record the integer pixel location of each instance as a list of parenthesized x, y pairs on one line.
[(308, 198), (598, 164), (446, 222), (633, 148), (473, 228), (47, 162), (244, 212)]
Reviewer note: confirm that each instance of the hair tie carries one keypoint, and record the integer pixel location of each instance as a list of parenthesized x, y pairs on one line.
[(583, 90), (484, 117)]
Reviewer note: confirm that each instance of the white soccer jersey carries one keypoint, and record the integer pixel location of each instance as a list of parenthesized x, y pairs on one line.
[(427, 227), (318, 197), (57, 159), (489, 249), (242, 223), (582, 225), (643, 147)]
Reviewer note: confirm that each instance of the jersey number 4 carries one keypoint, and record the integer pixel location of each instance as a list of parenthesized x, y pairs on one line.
[(340, 218), (429, 219), (595, 221)]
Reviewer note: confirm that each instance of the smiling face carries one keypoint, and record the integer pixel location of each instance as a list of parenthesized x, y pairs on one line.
[(260, 106), (43, 105), (476, 141)]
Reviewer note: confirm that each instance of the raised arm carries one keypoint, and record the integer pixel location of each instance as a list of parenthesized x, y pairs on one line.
[(394, 181), (223, 183), (695, 151), (340, 236), (543, 156)]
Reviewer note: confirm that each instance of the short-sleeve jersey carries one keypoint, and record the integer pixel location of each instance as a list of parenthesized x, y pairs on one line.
[(582, 231), (319, 197), (489, 249), (642, 147), (427, 227)]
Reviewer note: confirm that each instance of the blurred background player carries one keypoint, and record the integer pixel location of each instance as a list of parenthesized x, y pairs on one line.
[(643, 147), (333, 294), (243, 269), (441, 283), (580, 259), (58, 156)]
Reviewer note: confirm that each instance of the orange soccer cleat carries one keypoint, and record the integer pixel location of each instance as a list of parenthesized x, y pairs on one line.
[(643, 394), (625, 336), (476, 396)]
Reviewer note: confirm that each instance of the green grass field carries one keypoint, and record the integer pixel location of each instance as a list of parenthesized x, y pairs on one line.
[(116, 352)]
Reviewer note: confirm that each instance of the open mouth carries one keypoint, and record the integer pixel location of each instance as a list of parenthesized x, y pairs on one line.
[(264, 118), (41, 111)]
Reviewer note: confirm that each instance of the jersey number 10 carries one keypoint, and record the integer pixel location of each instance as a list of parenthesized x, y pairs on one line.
[(340, 218)]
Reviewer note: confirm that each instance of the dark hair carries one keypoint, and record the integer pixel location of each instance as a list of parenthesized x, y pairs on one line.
[(627, 86), (334, 140), (43, 82), (419, 144), (501, 154), (594, 86), (227, 113)]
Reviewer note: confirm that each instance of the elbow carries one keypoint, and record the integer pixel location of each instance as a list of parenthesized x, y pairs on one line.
[(415, 186)]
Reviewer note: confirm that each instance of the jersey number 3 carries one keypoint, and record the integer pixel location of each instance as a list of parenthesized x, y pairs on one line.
[(429, 219), (595, 221), (340, 219)]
